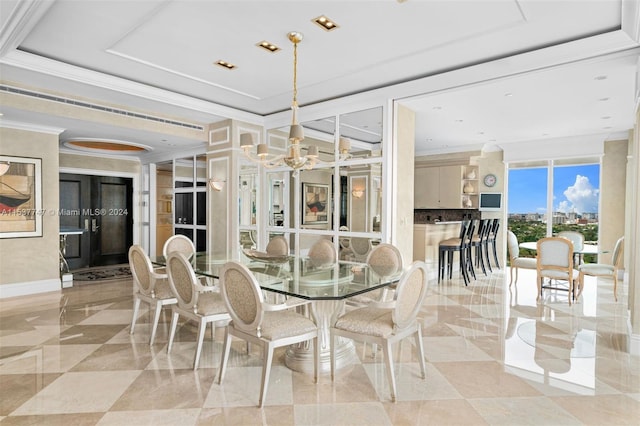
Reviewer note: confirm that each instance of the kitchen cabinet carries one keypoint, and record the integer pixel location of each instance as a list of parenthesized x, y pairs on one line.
[(438, 187)]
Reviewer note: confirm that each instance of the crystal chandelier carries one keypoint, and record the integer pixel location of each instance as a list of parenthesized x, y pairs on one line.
[(293, 158)]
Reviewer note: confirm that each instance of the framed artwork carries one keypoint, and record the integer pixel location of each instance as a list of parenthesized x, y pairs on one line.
[(315, 209), (20, 197)]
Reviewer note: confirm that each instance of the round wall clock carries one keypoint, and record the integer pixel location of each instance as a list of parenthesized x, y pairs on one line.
[(490, 180)]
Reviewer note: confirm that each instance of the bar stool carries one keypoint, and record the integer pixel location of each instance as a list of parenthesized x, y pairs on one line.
[(449, 246), (493, 233), (479, 243)]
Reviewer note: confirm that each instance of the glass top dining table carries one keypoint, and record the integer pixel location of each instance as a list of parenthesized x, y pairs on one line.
[(586, 248), (326, 286), (298, 276)]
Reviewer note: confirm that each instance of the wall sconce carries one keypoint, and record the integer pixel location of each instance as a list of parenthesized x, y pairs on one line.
[(4, 167), (217, 184), (357, 193), (344, 145)]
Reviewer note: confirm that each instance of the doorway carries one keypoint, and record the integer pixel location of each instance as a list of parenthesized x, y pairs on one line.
[(102, 207)]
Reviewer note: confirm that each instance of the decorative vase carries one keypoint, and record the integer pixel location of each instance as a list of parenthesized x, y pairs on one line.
[(467, 202), (468, 188), (471, 174)]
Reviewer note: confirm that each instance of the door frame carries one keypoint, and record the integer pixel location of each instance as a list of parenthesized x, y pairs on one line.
[(135, 201)]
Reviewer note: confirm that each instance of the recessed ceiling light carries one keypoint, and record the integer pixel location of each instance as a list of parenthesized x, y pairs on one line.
[(429, 140), (268, 46), (481, 133), (325, 23), (600, 77), (459, 121), (603, 99), (437, 107), (607, 127), (508, 94), (225, 64), (606, 117)]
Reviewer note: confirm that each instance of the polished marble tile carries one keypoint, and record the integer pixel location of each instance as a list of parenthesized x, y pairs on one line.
[(494, 355), (434, 413), (84, 392)]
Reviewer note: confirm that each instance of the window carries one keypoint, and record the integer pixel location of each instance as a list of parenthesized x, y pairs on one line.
[(545, 198)]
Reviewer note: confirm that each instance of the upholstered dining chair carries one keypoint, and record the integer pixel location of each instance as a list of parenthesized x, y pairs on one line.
[(149, 287), (183, 244), (578, 244), (515, 261), (255, 321), (385, 260), (604, 269), (196, 302), (555, 261), (322, 253), (278, 246), (179, 243), (387, 326), (360, 248)]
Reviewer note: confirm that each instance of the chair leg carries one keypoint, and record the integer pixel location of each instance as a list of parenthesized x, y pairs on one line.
[(316, 359), (136, 308), (266, 371), (172, 331), (480, 260), (511, 275), (202, 328), (485, 252), (463, 268), (615, 285), (388, 357), (539, 288), (580, 284), (495, 255), (226, 347), (156, 320), (332, 338), (420, 348), (470, 262)]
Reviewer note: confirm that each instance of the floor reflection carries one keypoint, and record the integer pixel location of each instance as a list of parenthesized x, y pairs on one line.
[(494, 356)]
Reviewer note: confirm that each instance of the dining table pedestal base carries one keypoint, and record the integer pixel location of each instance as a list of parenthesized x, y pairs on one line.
[(299, 357)]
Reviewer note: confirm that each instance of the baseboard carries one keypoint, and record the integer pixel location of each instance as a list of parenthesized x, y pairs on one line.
[(30, 287)]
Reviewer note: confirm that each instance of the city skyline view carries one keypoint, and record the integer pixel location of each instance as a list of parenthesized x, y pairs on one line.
[(576, 189)]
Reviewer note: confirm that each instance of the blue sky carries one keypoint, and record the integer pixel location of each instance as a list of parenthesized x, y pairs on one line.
[(575, 188)]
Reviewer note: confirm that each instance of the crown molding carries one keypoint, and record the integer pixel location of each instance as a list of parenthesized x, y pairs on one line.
[(24, 16), (18, 125), (38, 64)]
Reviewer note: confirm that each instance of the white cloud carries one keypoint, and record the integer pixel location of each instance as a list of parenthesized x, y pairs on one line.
[(582, 197)]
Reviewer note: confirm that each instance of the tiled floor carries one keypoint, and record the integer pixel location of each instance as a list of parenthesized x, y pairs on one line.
[(494, 356)]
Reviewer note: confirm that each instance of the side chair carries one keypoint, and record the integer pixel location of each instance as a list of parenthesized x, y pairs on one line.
[(180, 243), (323, 253), (149, 287), (515, 261), (261, 323), (386, 326), (604, 269), (578, 244), (196, 302), (555, 262), (278, 245)]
